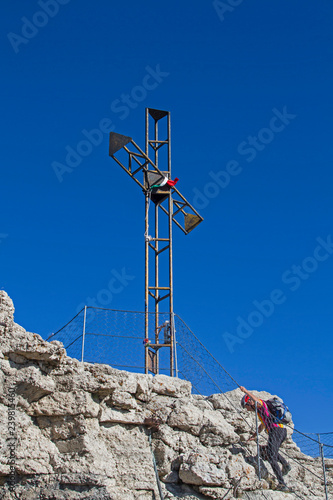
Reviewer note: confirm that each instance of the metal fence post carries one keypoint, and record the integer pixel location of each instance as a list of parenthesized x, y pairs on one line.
[(321, 449), (83, 332), (175, 343), (258, 448)]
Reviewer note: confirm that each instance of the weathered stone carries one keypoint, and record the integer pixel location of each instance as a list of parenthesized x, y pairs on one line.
[(161, 406), (171, 386), (218, 493), (123, 400), (178, 440), (164, 456), (113, 416), (73, 418), (172, 477), (65, 403), (200, 469), (241, 473), (30, 346), (186, 416), (6, 311), (62, 427), (216, 431), (34, 453), (144, 387), (32, 385)]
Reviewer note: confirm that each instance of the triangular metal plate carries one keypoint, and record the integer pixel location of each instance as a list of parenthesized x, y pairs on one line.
[(159, 194), (157, 114), (117, 141), (154, 178), (191, 221)]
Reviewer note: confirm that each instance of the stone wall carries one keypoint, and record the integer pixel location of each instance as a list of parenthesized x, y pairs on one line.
[(87, 431)]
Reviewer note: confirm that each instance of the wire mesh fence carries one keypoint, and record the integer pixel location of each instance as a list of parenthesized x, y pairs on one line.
[(308, 443), (315, 445), (326, 438), (71, 336), (118, 338), (113, 337), (197, 365)]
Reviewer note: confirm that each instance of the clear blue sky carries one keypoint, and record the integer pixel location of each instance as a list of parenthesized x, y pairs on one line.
[(250, 93)]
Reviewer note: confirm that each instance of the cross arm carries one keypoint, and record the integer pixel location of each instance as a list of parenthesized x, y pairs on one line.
[(136, 161)]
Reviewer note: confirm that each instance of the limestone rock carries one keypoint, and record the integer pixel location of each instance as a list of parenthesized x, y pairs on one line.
[(161, 406), (240, 473), (32, 385), (186, 416), (169, 386), (144, 387), (165, 456), (216, 431), (65, 403), (81, 432), (6, 311), (124, 400), (178, 440), (34, 452), (116, 416), (62, 427), (200, 469)]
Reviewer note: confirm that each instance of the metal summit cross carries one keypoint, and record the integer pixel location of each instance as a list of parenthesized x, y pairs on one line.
[(159, 188)]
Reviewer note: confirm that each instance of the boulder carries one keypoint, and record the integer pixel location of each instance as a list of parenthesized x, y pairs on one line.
[(89, 431), (202, 469)]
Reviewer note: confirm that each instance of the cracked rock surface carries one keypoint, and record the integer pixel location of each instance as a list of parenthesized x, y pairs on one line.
[(87, 431)]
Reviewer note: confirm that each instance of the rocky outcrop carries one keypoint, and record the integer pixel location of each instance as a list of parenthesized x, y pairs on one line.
[(72, 430)]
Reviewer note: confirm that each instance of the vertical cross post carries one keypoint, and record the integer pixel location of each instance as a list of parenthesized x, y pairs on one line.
[(155, 288), (159, 190)]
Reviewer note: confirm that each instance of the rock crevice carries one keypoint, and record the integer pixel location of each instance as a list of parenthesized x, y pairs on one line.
[(82, 432)]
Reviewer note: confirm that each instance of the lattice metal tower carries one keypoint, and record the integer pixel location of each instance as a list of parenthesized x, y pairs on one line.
[(158, 188)]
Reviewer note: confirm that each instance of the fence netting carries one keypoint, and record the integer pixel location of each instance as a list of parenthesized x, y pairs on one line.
[(196, 364), (111, 337), (71, 336), (118, 338)]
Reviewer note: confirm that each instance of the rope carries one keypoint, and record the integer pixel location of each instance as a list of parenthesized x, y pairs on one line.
[(55, 333), (77, 338), (200, 361), (146, 234), (226, 397), (205, 348), (243, 445)]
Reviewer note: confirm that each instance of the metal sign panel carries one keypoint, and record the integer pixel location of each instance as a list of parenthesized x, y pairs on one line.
[(117, 141)]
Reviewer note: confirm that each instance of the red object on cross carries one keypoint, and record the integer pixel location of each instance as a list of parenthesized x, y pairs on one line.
[(172, 183)]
